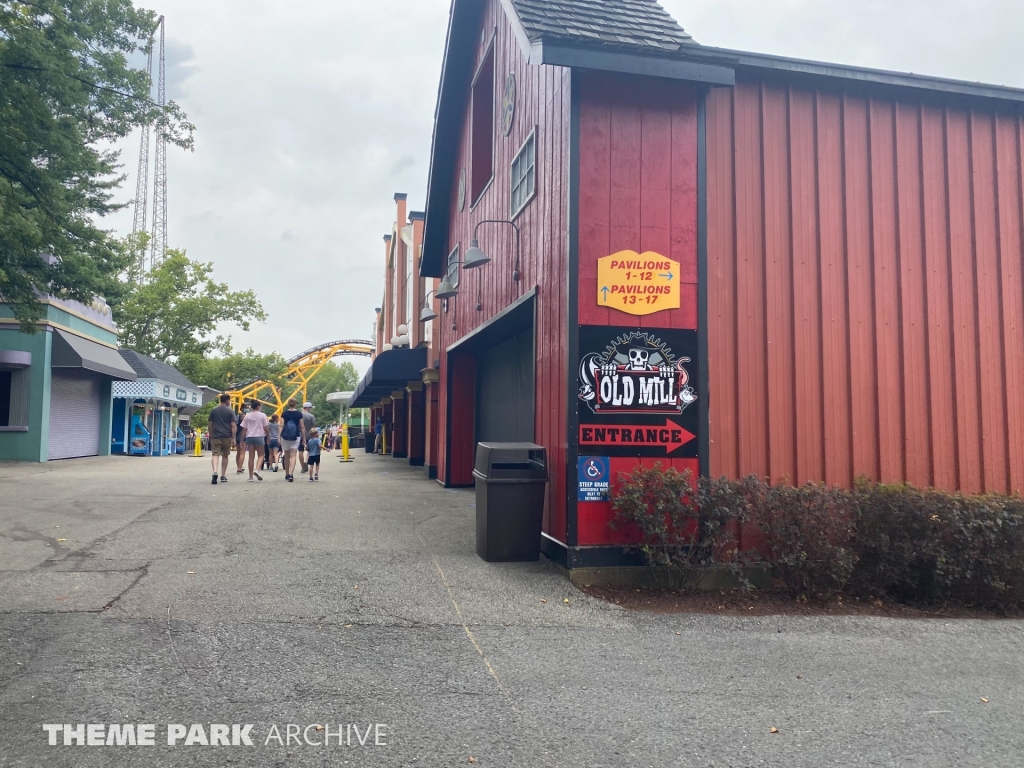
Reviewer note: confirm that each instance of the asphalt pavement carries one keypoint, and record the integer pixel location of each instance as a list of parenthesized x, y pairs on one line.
[(355, 610)]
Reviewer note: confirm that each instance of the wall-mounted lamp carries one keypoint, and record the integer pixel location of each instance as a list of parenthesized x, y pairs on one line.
[(445, 290), (474, 256), (477, 258), (427, 313)]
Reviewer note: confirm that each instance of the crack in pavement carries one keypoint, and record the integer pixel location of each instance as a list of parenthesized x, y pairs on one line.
[(143, 573)]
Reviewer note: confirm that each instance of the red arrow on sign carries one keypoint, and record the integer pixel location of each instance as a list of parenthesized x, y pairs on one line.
[(671, 437)]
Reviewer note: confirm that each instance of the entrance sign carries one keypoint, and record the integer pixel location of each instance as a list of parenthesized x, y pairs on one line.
[(594, 478), (637, 391), (670, 436), (638, 283), (636, 372)]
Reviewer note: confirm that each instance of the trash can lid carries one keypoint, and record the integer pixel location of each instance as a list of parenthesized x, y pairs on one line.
[(497, 459)]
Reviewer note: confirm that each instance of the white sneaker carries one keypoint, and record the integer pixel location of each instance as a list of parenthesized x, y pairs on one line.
[(249, 480)]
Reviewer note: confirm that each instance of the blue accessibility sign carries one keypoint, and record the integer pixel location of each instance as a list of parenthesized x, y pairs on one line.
[(594, 476)]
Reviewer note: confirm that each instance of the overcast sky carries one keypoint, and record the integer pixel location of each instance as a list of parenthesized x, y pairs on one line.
[(311, 115)]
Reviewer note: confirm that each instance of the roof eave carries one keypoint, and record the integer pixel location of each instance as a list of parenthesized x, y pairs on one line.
[(870, 76), (698, 68)]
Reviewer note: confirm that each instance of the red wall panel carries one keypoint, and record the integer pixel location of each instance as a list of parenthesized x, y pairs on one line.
[(461, 372), (866, 312), (638, 187), (638, 191), (542, 103)]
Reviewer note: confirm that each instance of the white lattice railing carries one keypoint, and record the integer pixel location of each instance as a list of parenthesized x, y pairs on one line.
[(133, 388)]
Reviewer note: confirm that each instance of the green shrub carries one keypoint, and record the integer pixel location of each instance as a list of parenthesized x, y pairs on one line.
[(680, 525), (929, 547), (983, 547), (914, 546), (810, 535), (899, 542)]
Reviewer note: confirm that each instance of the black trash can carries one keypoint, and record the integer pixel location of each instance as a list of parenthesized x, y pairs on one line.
[(368, 438), (510, 482)]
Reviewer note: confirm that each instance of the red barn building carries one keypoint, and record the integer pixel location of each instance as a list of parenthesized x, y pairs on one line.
[(726, 262)]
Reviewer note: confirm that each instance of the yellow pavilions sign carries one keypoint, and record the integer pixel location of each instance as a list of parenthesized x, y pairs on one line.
[(638, 283)]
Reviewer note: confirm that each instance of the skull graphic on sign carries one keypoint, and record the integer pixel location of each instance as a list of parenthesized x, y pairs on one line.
[(639, 359)]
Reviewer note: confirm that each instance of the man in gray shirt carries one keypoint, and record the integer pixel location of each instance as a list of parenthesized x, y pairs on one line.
[(222, 436), (308, 422)]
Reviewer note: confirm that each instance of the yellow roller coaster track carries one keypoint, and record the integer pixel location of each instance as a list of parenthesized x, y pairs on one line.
[(301, 371)]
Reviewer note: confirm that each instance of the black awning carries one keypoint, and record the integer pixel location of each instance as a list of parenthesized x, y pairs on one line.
[(389, 371), (70, 351)]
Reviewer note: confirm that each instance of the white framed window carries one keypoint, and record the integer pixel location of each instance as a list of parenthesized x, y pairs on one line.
[(453, 267), (524, 175)]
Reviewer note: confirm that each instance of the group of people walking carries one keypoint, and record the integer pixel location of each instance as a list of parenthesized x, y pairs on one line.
[(292, 437)]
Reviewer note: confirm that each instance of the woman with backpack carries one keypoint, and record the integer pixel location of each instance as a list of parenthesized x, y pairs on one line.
[(291, 434)]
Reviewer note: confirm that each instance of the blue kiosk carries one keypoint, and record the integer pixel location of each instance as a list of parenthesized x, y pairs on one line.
[(148, 413)]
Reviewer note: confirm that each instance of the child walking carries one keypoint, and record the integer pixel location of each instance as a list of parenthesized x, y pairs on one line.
[(313, 449), (274, 432)]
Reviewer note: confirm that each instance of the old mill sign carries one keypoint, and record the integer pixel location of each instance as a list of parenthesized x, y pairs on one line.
[(638, 283)]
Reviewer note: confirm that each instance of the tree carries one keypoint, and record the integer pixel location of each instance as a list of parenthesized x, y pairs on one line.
[(66, 93), (331, 378), (226, 372), (177, 309)]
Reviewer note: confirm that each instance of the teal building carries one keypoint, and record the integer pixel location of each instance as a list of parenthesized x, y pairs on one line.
[(55, 384)]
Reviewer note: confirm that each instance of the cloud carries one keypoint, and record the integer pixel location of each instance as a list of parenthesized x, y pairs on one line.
[(179, 66), (402, 164), (959, 39)]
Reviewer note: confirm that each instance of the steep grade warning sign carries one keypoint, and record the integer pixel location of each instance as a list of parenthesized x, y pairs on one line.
[(638, 283)]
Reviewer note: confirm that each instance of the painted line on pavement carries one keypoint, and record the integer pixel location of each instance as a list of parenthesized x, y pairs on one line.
[(472, 638)]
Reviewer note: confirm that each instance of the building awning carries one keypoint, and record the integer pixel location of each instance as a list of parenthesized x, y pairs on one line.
[(389, 371), (12, 359), (70, 351)]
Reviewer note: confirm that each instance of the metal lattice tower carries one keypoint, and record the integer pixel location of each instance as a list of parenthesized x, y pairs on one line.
[(142, 182), (158, 241)]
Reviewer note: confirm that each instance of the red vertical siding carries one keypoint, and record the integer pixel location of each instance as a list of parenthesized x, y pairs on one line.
[(461, 372), (835, 353), (638, 191), (778, 284), (860, 282), (912, 295), (638, 187), (1011, 213), (542, 103), (866, 299), (942, 392), (751, 437), (808, 412), (962, 279), (721, 320), (990, 311)]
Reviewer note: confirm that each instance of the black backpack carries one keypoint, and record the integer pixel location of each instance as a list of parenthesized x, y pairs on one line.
[(290, 430)]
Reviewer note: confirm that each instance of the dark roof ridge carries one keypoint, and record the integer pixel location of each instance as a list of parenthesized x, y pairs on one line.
[(148, 368)]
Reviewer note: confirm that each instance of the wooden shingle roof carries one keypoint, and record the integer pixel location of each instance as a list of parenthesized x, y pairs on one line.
[(641, 26)]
